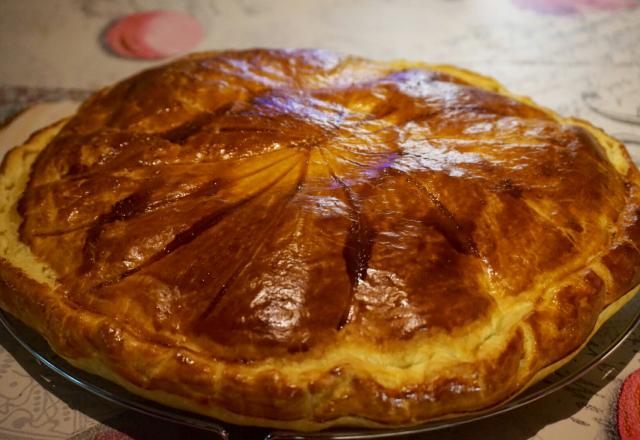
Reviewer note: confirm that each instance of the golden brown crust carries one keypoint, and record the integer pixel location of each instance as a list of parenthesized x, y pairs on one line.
[(420, 243)]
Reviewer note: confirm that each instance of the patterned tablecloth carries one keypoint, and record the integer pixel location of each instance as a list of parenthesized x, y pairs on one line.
[(579, 57)]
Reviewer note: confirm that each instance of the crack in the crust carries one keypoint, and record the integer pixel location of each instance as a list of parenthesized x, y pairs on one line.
[(178, 135), (358, 245), (181, 134), (121, 210), (136, 204), (190, 234), (446, 225), (257, 246), (209, 188), (166, 136), (130, 169), (544, 217)]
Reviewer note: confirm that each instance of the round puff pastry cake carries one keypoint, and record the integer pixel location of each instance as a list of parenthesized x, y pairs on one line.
[(298, 239)]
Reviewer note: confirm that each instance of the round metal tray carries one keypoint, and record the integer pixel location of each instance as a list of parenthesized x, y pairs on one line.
[(604, 342)]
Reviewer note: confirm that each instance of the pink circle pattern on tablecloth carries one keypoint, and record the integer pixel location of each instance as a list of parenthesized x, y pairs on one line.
[(562, 7), (629, 408), (153, 34)]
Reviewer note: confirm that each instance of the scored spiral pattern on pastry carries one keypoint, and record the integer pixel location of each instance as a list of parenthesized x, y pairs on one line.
[(260, 205)]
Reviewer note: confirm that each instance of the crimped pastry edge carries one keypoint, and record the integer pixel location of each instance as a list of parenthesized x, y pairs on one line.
[(40, 306)]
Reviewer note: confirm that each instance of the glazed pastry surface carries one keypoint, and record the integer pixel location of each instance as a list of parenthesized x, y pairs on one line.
[(299, 239)]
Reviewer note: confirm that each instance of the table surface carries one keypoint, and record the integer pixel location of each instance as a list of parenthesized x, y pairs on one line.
[(579, 57)]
